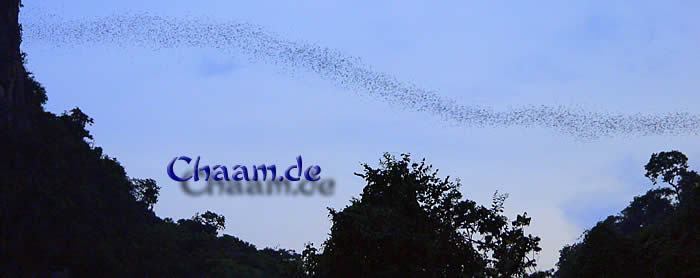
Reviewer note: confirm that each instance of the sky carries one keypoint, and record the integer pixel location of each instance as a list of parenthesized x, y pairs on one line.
[(151, 104)]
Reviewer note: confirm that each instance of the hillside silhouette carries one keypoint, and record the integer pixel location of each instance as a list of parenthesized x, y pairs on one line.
[(67, 209), (656, 235)]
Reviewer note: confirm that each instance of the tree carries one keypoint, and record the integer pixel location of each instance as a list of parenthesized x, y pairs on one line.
[(656, 235), (212, 221), (145, 191), (310, 260), (69, 210), (410, 222), (76, 121)]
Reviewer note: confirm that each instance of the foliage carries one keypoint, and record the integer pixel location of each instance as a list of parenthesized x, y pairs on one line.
[(410, 222), (657, 235), (145, 191), (67, 208)]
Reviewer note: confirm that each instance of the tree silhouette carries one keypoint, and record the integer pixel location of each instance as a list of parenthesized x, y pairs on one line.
[(657, 235), (410, 222), (68, 209), (145, 191), (212, 221)]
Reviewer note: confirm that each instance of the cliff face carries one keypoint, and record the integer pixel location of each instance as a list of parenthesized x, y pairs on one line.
[(68, 209), (12, 72)]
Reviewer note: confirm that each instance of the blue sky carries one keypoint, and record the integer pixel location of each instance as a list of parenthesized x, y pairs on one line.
[(150, 105)]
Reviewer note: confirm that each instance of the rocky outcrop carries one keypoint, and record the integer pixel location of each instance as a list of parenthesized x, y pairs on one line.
[(13, 75)]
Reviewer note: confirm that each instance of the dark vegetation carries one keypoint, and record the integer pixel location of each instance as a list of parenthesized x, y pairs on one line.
[(408, 222), (69, 209), (657, 235), (66, 208)]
